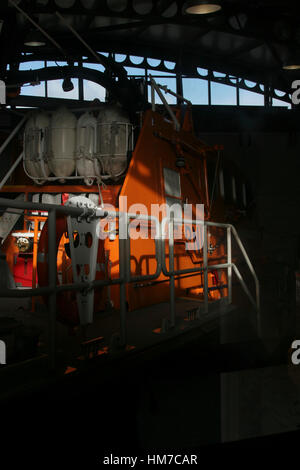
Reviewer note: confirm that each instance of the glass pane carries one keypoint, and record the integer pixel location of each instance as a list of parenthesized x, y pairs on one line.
[(36, 90), (169, 65), (281, 103), (52, 63), (219, 74), (98, 67), (135, 71), (136, 59), (120, 57), (92, 90), (279, 93), (37, 64), (223, 94), (203, 72), (160, 74), (195, 90), (55, 90), (248, 98), (250, 84), (171, 84), (153, 62)]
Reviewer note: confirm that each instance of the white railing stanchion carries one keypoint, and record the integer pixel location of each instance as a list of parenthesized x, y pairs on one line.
[(171, 267), (205, 268), (244, 286), (229, 266), (52, 269), (255, 302), (229, 262), (123, 230)]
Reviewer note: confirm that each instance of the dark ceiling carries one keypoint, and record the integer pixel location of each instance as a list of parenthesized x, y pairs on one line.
[(248, 38)]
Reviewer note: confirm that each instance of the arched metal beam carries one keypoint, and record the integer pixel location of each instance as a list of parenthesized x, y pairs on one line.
[(125, 91)]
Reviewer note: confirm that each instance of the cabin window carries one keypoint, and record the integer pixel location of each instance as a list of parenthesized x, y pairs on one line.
[(175, 210), (172, 183), (176, 207)]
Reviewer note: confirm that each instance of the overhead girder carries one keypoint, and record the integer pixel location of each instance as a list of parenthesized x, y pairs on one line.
[(189, 60), (259, 14), (259, 27), (125, 91)]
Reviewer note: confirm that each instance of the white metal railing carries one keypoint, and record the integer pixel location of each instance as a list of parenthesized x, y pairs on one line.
[(125, 276), (230, 266)]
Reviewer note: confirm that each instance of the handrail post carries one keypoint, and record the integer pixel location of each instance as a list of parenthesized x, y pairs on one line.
[(52, 268), (257, 287), (229, 261), (171, 267), (205, 270), (123, 242)]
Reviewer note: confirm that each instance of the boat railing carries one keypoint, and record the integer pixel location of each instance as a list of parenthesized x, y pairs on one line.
[(125, 275)]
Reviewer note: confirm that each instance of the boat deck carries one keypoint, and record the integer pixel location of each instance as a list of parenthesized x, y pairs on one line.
[(148, 330)]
